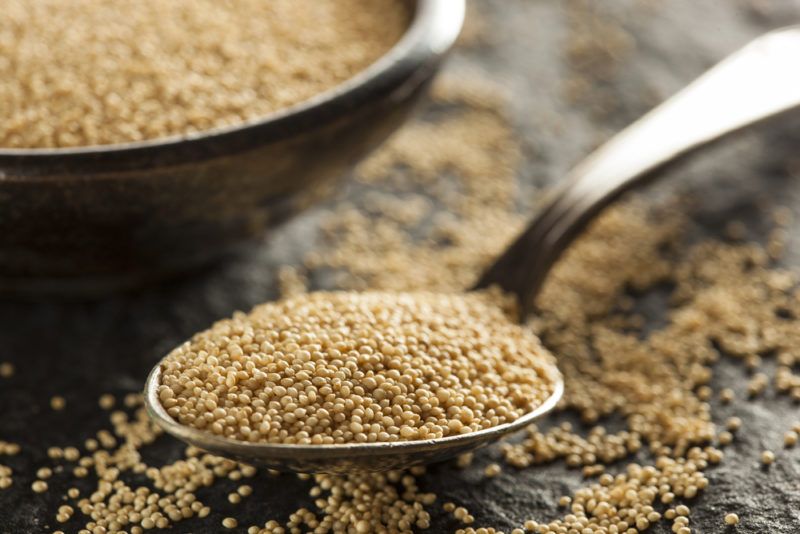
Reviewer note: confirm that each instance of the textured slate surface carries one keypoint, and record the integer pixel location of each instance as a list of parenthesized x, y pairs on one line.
[(80, 350)]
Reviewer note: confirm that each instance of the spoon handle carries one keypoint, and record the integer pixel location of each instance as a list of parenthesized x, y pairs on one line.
[(759, 81)]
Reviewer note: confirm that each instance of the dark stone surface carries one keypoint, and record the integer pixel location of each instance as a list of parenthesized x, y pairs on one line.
[(83, 349)]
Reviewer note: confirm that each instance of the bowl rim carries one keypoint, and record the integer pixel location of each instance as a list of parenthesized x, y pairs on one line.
[(434, 28)]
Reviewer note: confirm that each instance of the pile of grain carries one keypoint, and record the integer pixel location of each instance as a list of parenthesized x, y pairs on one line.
[(344, 367), (85, 72)]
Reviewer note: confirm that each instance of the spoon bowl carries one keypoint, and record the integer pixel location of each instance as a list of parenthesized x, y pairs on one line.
[(346, 457)]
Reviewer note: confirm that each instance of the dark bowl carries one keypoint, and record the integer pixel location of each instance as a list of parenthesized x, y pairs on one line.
[(89, 220)]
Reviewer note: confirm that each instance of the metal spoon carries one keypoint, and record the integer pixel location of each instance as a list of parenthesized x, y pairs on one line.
[(757, 82)]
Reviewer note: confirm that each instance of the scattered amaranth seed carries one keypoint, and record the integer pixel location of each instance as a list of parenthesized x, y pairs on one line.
[(726, 395), (106, 401), (5, 477), (44, 472), (9, 449), (492, 470), (733, 424), (58, 403)]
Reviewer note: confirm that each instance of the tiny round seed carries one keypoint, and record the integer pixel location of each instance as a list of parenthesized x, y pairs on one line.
[(58, 403)]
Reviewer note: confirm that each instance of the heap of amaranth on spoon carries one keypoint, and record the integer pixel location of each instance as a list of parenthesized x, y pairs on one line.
[(345, 367)]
